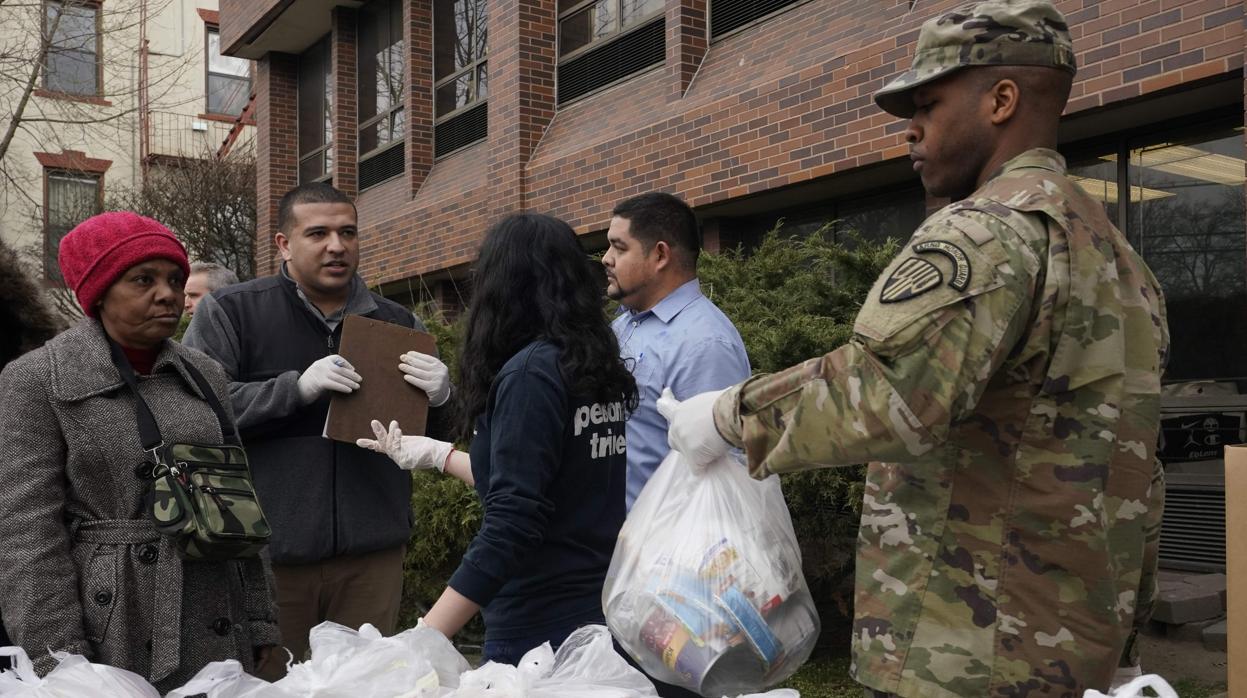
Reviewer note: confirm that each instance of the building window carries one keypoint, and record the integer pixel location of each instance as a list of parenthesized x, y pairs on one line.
[(315, 114), (73, 65), (460, 73), (1184, 214), (894, 214), (382, 81), (69, 199), (229, 78), (726, 16), (604, 41), (1186, 217), (584, 22)]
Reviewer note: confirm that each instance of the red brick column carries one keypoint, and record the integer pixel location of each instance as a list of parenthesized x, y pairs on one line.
[(687, 42), (418, 37), (276, 172), (522, 59), (343, 74)]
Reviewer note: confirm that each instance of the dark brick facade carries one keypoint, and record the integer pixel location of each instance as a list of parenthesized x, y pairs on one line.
[(780, 104)]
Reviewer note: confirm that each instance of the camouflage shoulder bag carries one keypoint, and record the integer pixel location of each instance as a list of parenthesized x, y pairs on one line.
[(200, 495)]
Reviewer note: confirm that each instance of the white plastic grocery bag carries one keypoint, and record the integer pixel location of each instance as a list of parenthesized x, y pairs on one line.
[(586, 665), (1135, 689), (227, 680), (432, 646), (705, 588), (347, 664), (73, 677)]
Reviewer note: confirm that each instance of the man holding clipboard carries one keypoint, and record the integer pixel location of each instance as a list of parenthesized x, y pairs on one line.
[(341, 515)]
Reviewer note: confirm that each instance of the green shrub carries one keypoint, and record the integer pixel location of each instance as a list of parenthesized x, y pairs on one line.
[(791, 299), (446, 512)]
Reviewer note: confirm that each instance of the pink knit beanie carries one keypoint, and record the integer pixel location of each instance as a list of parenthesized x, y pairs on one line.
[(101, 248)]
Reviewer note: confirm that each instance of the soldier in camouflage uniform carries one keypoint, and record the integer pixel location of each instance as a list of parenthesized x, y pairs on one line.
[(1004, 382)]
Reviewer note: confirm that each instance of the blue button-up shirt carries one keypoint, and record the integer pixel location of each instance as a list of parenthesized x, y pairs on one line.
[(685, 343)]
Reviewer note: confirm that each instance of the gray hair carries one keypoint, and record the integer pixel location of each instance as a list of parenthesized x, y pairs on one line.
[(218, 276)]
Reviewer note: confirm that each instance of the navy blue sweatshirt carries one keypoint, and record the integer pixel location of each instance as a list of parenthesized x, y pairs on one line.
[(550, 470)]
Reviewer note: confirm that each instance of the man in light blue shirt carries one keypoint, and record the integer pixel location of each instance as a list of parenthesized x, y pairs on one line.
[(672, 334)]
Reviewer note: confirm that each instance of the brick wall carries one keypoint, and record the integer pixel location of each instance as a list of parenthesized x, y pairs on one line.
[(783, 102), (238, 17), (276, 88), (344, 68)]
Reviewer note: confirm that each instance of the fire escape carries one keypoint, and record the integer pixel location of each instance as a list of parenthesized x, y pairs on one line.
[(167, 138)]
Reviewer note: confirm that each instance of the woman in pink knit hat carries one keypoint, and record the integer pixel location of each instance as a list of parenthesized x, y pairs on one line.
[(86, 571)]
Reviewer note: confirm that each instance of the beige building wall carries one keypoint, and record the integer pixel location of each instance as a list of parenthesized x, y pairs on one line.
[(81, 138)]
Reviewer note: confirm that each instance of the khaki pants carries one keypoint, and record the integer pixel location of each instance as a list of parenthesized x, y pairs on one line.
[(351, 590)]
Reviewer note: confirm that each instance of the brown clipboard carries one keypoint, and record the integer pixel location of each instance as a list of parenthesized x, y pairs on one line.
[(373, 348)]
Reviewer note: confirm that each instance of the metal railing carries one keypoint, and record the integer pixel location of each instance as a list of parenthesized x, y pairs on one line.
[(173, 135)]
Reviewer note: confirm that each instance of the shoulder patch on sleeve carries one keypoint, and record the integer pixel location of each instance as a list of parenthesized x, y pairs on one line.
[(912, 277), (961, 263), (942, 265)]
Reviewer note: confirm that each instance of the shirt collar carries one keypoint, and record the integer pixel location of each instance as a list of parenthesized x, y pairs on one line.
[(359, 302), (674, 302)]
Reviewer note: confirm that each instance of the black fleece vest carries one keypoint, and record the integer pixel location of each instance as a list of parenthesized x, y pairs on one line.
[(323, 498)]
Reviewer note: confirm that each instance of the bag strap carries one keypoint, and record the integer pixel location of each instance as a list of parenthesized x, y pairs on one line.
[(149, 432), (228, 429)]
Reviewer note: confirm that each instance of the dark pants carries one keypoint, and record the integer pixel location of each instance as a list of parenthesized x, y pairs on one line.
[(351, 590), (511, 650)]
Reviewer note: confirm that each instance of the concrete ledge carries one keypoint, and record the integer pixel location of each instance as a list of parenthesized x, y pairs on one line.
[(1215, 636), (1190, 598)]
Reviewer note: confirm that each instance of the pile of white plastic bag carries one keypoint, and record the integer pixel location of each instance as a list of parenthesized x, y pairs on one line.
[(344, 663), (417, 663), (73, 677)]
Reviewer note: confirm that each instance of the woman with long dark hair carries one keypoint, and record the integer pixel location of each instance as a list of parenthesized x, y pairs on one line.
[(543, 397)]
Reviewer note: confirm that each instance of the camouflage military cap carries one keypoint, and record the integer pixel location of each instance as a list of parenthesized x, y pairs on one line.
[(993, 32)]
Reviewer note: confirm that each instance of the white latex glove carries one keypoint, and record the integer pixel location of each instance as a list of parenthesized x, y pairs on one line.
[(428, 374), (410, 452), (330, 373), (692, 431)]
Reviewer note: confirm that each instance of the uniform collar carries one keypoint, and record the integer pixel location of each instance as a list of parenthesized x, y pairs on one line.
[(674, 302), (1041, 158)]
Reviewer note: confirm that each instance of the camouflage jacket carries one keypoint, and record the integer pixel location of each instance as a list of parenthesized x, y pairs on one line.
[(1004, 377)]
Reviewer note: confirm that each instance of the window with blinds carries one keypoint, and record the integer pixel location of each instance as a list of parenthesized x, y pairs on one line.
[(228, 79), (315, 114), (726, 16), (73, 59), (69, 199), (604, 41), (460, 73), (381, 90)]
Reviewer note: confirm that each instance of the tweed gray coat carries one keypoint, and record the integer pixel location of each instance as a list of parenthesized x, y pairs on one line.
[(86, 572)]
